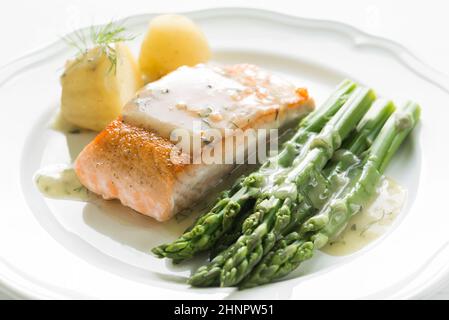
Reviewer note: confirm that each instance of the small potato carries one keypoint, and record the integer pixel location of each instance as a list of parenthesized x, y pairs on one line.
[(93, 94), (171, 41)]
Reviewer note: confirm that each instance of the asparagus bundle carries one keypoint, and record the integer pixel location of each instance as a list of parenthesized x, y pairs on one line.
[(362, 138), (281, 204), (208, 229), (299, 245)]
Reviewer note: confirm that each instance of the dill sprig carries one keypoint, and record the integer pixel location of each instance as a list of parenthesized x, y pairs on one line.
[(103, 37)]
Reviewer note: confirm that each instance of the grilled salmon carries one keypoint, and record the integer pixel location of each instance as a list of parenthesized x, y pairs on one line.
[(135, 160)]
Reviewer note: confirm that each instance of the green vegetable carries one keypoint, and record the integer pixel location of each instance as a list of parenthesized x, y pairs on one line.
[(299, 245), (279, 204)]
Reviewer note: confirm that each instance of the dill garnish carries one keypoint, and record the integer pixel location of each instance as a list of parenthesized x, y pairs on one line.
[(103, 37)]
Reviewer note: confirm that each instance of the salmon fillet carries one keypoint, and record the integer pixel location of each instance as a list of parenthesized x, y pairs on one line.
[(133, 159)]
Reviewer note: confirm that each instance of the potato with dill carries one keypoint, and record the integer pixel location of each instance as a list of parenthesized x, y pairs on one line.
[(171, 41), (100, 80)]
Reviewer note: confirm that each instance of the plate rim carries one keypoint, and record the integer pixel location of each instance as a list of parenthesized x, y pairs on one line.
[(357, 36)]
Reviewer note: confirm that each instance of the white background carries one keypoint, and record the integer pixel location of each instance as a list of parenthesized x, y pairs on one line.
[(421, 26)]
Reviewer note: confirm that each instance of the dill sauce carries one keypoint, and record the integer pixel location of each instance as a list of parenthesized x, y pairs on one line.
[(372, 222), (60, 182)]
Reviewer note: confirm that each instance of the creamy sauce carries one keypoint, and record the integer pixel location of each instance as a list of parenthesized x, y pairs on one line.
[(60, 182), (371, 222), (208, 97)]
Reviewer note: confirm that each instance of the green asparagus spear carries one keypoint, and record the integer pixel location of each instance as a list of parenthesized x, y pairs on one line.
[(369, 127), (231, 235), (275, 211), (211, 226), (298, 246)]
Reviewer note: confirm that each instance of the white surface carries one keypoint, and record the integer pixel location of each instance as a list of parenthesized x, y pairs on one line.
[(84, 13)]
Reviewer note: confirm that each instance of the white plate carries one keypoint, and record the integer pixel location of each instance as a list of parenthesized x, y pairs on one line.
[(68, 249)]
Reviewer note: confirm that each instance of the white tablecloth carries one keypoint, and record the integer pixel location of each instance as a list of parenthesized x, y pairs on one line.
[(420, 26)]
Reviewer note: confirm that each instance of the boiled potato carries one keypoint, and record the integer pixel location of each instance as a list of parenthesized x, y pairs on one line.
[(94, 92), (171, 41)]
